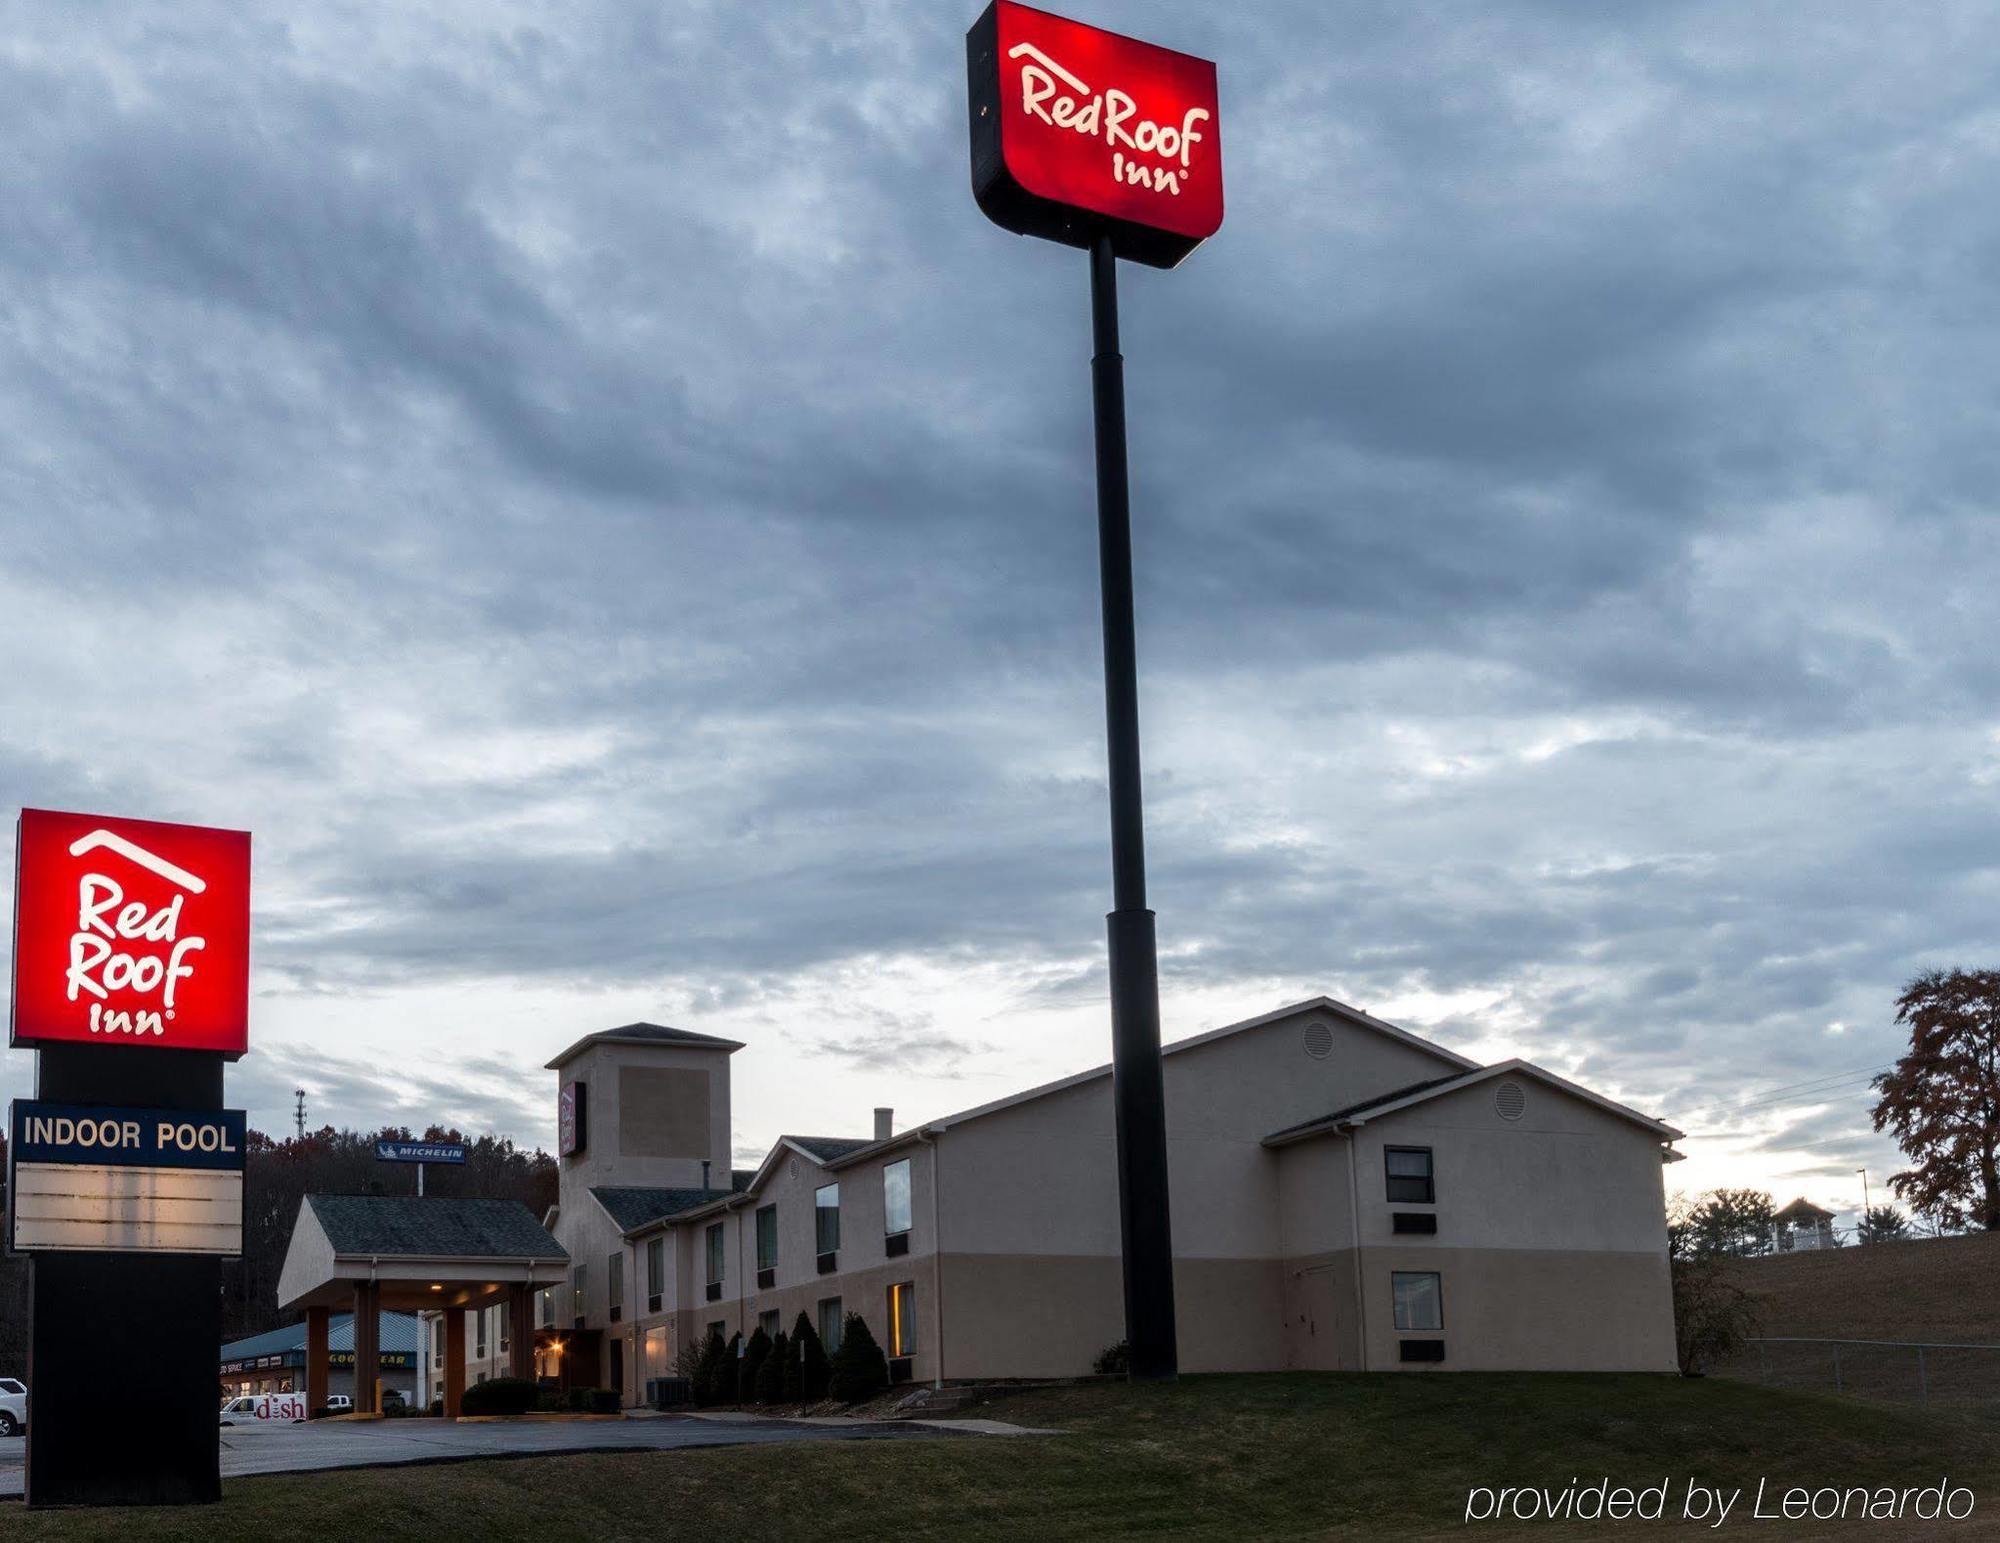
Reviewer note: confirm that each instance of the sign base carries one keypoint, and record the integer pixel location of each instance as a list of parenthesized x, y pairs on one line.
[(122, 1384)]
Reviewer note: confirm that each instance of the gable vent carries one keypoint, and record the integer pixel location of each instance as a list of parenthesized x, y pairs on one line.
[(1510, 1098), (1319, 1041)]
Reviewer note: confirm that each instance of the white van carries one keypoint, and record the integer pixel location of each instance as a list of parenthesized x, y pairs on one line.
[(13, 1406), (264, 1408)]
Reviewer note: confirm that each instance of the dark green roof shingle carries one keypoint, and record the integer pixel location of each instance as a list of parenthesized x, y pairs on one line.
[(635, 1206), (433, 1227)]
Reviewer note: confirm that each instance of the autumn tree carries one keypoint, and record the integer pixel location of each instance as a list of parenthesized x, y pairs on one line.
[(1942, 1099)]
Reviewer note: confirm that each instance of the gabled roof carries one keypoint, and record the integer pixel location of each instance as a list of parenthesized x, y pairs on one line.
[(396, 1332), (1344, 1115), (643, 1034), (1320, 1004), (432, 1227), (1802, 1208), (825, 1148), (632, 1207), (1422, 1092)]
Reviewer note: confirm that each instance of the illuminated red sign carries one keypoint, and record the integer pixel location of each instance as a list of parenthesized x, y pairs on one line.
[(1078, 132), (131, 932)]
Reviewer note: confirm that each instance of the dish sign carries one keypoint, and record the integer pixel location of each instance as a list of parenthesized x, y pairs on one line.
[(1078, 132), (131, 932)]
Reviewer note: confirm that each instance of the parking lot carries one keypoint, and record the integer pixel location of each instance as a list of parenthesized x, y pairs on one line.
[(253, 1449)]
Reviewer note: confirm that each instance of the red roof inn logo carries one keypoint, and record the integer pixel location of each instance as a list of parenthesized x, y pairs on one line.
[(1078, 132), (131, 932)]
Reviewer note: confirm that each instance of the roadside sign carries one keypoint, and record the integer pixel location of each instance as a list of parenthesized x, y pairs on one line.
[(97, 1179), (130, 932), (419, 1152), (1080, 133)]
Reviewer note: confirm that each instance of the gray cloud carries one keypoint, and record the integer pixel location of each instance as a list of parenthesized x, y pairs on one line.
[(607, 511)]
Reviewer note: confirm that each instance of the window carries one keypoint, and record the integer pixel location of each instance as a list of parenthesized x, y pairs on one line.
[(614, 1286), (657, 1364), (1409, 1175), (715, 1329), (715, 1254), (546, 1298), (896, 1197), (902, 1320), (767, 1237), (576, 1285), (1419, 1300), (506, 1317), (770, 1323), (826, 1219), (479, 1332), (830, 1322)]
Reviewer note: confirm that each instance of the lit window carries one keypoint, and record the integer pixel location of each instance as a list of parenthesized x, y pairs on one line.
[(715, 1255), (826, 1219), (830, 1323), (767, 1237), (903, 1319), (1419, 1300), (1410, 1181), (896, 1197)]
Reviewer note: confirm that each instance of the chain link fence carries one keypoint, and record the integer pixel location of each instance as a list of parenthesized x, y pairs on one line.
[(1958, 1376)]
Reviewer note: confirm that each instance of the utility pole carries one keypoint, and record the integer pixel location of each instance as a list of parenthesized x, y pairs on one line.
[(1864, 1192)]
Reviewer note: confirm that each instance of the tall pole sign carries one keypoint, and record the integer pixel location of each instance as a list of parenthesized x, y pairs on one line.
[(1103, 142), (131, 984)]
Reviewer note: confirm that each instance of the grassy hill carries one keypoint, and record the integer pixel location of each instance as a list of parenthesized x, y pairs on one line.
[(1945, 1289), (1292, 1456), (1940, 1291)]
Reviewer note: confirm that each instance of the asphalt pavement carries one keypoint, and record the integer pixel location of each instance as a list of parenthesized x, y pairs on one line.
[(253, 1449)]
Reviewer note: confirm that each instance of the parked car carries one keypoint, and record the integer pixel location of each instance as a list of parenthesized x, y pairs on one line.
[(13, 1406), (264, 1408), (339, 1403), (391, 1399)]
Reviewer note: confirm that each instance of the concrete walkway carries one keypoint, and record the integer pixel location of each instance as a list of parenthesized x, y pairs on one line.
[(253, 1449), (947, 1423)]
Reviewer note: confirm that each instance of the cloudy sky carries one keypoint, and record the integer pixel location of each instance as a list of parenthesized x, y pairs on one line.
[(586, 486)]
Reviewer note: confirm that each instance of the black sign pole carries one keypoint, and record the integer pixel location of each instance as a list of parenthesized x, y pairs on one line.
[(1138, 1089)]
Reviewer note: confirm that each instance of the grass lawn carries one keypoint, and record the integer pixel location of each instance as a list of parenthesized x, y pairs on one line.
[(1297, 1456)]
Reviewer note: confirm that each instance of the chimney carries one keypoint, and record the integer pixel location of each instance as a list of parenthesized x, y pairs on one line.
[(885, 1124), (704, 1174)]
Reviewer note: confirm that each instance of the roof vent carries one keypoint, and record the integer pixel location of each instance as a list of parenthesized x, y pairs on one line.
[(1319, 1040), (1510, 1099)]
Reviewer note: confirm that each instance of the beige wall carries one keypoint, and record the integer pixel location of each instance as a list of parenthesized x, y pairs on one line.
[(1551, 1242), (1041, 1177), (615, 1156), (610, 1156)]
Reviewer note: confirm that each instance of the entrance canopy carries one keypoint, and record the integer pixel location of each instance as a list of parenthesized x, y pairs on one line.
[(417, 1252), (413, 1253)]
